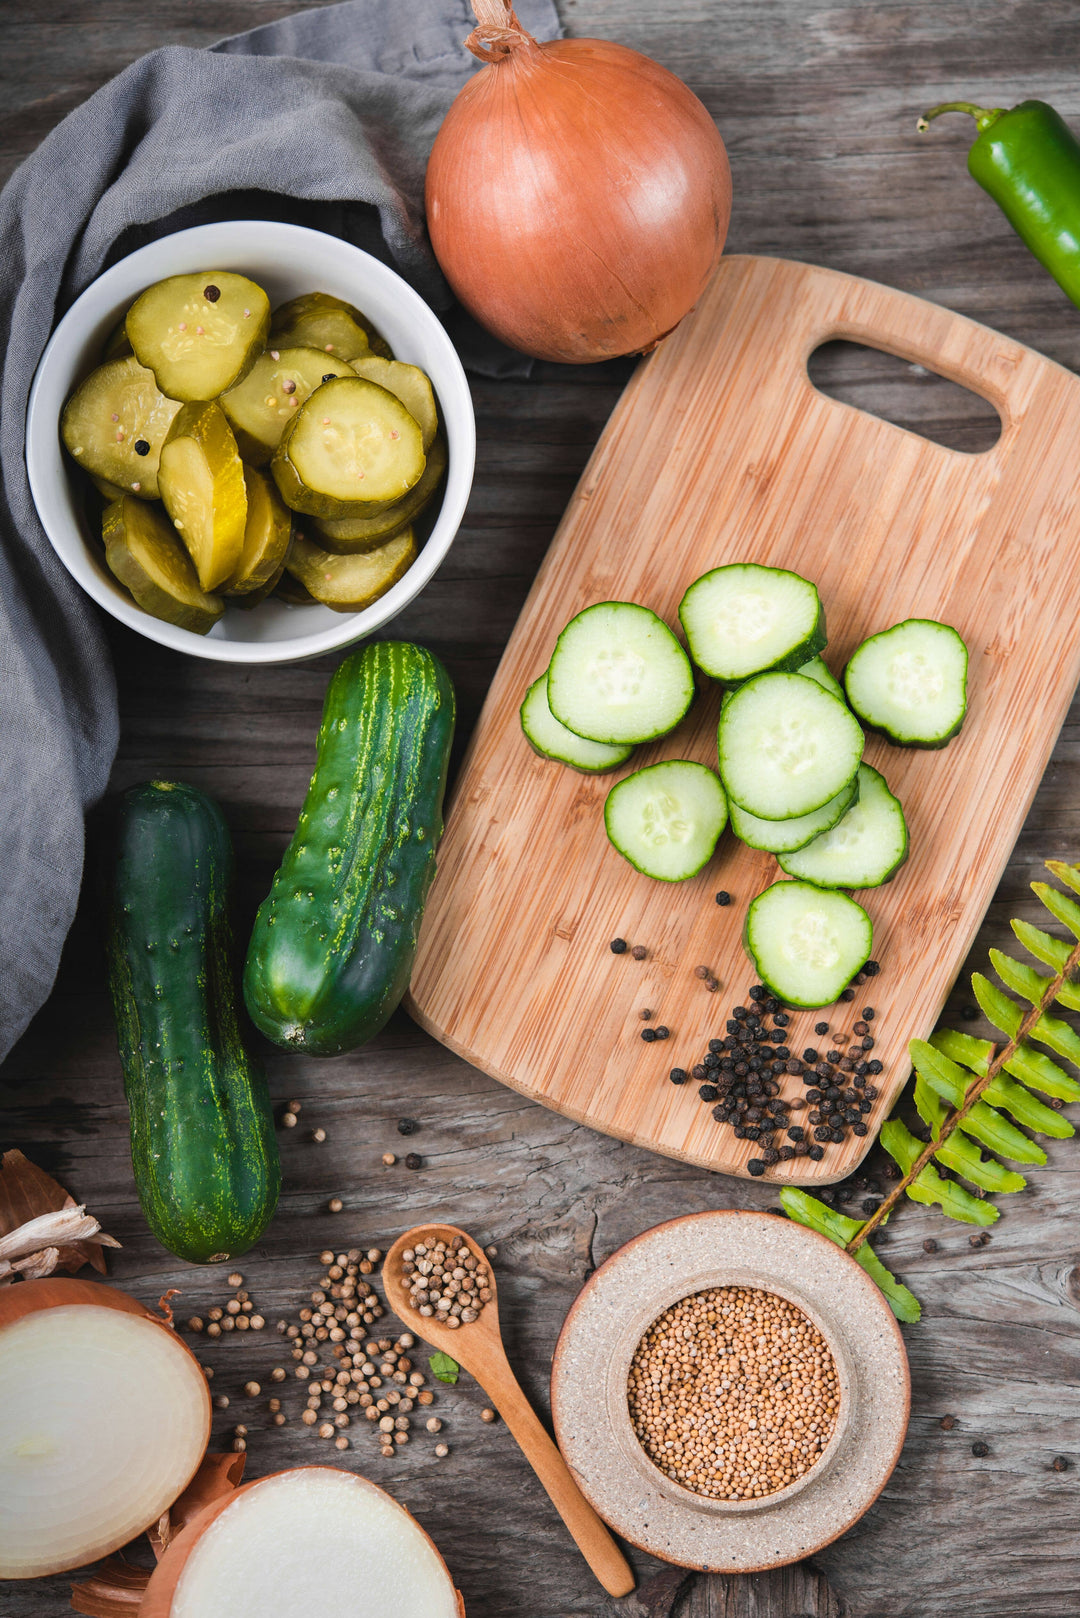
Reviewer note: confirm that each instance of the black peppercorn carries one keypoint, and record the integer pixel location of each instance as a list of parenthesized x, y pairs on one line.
[(821, 1028), (848, 994), (678, 1075), (795, 1132), (817, 1153), (649, 1034), (723, 897), (858, 1129), (792, 1065), (980, 1449), (710, 1059), (860, 1028), (141, 447), (813, 1095), (874, 1066), (929, 1245), (757, 991), (786, 1153), (892, 1171), (330, 376), (781, 1019), (755, 1167), (771, 1155), (407, 1126), (868, 1013), (809, 1055), (1060, 1463), (618, 946), (871, 969), (947, 1423), (211, 293), (823, 1132), (708, 1092), (832, 1057), (867, 1044), (414, 1161), (870, 1092), (870, 1205), (980, 1238)]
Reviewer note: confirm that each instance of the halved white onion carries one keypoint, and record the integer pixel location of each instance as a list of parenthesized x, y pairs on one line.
[(315, 1536), (104, 1418)]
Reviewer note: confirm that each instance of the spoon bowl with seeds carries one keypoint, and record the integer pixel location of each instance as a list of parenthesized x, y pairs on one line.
[(416, 1268)]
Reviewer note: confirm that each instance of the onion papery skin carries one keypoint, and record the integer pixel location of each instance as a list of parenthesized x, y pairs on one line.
[(21, 1299), (578, 197), (161, 1591)]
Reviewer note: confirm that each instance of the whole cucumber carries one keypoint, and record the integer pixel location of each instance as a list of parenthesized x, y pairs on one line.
[(203, 1147), (334, 942)]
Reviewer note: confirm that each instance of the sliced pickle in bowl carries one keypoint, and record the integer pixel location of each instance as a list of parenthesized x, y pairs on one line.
[(266, 536), (349, 535), (146, 557), (352, 450), (319, 320), (409, 384), (350, 583), (199, 334), (115, 423), (117, 345), (202, 484), (261, 406)]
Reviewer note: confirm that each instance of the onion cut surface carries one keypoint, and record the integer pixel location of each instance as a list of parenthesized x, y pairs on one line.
[(312, 1539), (104, 1419)]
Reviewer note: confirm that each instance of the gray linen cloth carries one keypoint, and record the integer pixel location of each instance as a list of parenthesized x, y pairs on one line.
[(326, 117)]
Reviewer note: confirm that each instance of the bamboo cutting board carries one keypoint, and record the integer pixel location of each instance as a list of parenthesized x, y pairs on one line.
[(721, 450)]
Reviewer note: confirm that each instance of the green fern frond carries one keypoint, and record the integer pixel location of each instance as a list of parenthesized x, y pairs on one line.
[(927, 1185), (807, 1210), (961, 1154), (987, 1126), (1024, 980), (1033, 1068)]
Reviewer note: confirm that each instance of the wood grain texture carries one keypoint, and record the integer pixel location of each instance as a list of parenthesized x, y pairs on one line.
[(817, 106), (721, 451)]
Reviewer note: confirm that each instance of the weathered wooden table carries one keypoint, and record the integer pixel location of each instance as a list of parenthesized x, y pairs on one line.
[(817, 105)]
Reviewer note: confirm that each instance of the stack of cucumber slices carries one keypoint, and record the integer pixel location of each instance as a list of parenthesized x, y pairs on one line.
[(790, 741), (212, 425)]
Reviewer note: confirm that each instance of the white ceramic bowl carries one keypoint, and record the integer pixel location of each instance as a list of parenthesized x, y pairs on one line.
[(287, 260)]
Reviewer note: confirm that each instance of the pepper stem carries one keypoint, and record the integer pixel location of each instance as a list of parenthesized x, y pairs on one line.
[(983, 116), (499, 33)]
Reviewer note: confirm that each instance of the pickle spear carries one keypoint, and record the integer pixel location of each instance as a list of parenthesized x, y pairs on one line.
[(409, 384), (199, 334), (261, 406), (266, 536), (144, 554), (349, 535), (202, 484), (315, 320), (115, 423), (350, 583), (350, 451)]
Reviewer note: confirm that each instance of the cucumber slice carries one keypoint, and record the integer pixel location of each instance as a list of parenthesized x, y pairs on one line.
[(350, 451), (348, 535), (118, 343), (817, 670), (552, 740), (807, 943), (315, 319), (864, 849), (782, 836), (743, 619), (202, 484), (118, 407), (786, 746), (199, 334), (911, 682), (350, 583), (407, 383), (619, 675), (667, 819), (144, 554), (266, 537), (260, 407)]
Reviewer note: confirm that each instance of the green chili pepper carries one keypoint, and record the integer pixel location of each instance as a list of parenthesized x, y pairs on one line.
[(1027, 158)]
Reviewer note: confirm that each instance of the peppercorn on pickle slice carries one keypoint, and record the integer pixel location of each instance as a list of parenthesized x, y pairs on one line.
[(350, 583), (144, 554), (350, 451), (261, 406), (409, 384), (202, 484), (349, 535), (267, 531), (115, 423), (199, 334), (320, 320)]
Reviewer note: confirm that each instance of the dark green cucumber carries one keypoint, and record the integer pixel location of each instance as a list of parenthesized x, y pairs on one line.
[(334, 942), (202, 1133)]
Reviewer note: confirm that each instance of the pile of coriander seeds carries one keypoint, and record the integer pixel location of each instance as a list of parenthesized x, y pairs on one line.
[(445, 1281), (733, 1393)]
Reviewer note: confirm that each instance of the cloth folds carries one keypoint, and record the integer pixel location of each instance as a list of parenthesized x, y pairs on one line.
[(326, 117)]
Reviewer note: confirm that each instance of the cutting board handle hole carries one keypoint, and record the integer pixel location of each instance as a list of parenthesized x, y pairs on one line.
[(906, 394)]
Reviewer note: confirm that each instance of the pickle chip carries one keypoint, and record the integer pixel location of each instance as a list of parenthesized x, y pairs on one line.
[(262, 405), (199, 334), (266, 536), (118, 343), (409, 384), (202, 484), (350, 583), (115, 423), (144, 554), (315, 320), (350, 451), (349, 535)]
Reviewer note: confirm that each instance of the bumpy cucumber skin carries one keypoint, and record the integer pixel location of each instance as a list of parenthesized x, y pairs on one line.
[(334, 942), (933, 744), (203, 1147)]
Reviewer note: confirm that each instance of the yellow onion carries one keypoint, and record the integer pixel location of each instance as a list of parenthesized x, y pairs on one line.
[(578, 194)]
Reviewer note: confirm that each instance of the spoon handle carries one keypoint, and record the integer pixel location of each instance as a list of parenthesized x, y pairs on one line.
[(593, 1539)]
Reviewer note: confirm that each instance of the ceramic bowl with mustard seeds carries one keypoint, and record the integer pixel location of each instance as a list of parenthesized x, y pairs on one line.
[(730, 1391)]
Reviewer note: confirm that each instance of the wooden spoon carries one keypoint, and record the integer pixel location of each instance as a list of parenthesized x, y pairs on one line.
[(478, 1346)]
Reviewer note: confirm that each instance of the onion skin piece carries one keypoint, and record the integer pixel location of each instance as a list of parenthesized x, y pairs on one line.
[(578, 197), (158, 1600)]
